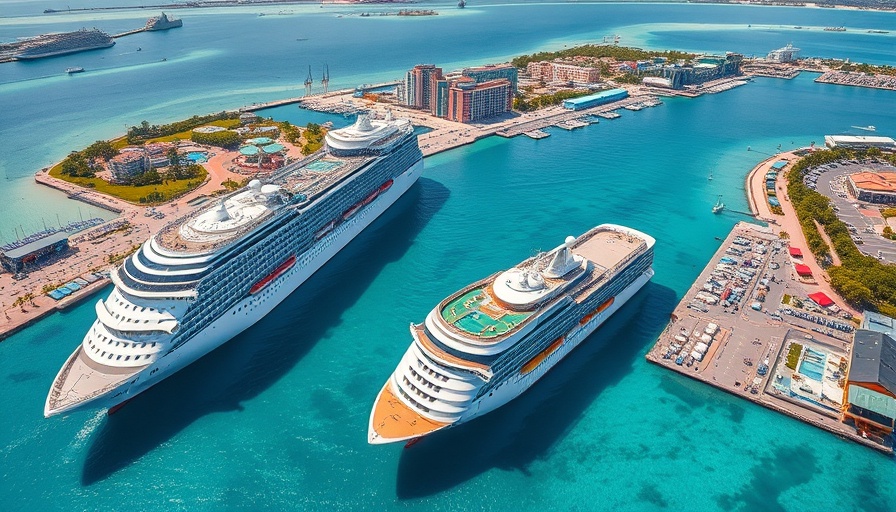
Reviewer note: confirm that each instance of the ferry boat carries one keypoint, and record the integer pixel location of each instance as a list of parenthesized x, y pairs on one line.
[(50, 45), (487, 343), (209, 275), (719, 206)]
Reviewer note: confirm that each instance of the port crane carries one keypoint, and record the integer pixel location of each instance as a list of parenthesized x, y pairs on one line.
[(308, 82), (325, 81)]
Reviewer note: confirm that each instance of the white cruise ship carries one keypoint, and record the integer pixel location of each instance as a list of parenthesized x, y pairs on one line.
[(486, 344), (208, 276)]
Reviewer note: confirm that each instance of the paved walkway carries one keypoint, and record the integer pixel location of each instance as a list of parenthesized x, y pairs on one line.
[(789, 222)]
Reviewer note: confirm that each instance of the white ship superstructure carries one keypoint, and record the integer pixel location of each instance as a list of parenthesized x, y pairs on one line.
[(208, 276), (486, 344)]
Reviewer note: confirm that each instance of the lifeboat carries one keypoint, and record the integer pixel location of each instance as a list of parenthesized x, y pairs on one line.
[(385, 186), (541, 356), (347, 214), (587, 318), (270, 278), (322, 232)]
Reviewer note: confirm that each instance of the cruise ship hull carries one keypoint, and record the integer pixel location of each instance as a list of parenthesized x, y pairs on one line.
[(252, 308), (514, 388), (31, 56), (519, 383)]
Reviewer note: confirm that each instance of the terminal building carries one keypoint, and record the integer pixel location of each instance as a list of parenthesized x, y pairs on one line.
[(19, 257), (860, 142), (871, 381), (708, 67), (873, 187), (593, 100)]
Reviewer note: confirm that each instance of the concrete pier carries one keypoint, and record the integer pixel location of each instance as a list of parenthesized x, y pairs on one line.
[(748, 336)]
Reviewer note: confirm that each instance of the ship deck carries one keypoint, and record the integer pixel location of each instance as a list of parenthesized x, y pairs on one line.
[(310, 177), (607, 248)]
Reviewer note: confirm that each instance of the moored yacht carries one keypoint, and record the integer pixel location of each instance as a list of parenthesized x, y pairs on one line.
[(206, 277), (487, 343)]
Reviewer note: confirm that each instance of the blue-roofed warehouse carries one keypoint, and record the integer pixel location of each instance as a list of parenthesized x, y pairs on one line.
[(32, 254), (593, 100)]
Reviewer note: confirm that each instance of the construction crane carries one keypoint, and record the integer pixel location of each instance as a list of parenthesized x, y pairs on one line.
[(325, 81), (308, 82)]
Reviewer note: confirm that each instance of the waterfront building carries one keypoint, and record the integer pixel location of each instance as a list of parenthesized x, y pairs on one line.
[(439, 96), (16, 258), (126, 165), (656, 81), (786, 54), (417, 90), (491, 72), (248, 118), (706, 68), (596, 99), (871, 380), (157, 153), (860, 142), (562, 72), (469, 101), (873, 186)]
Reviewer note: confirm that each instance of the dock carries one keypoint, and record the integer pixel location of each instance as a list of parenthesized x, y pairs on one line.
[(739, 329), (537, 134), (556, 116)]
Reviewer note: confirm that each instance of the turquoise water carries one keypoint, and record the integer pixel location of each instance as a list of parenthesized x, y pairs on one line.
[(277, 417)]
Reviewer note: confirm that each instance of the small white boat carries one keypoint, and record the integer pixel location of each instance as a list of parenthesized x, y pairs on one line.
[(73, 70), (719, 206), (869, 128)]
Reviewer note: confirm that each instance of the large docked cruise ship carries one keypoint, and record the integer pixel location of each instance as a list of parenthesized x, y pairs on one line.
[(486, 344), (50, 45), (206, 277)]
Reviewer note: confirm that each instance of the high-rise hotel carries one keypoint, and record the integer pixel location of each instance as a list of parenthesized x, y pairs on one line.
[(468, 96)]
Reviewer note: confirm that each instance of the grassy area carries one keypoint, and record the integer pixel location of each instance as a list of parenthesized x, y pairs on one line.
[(132, 194), (793, 355), (185, 135)]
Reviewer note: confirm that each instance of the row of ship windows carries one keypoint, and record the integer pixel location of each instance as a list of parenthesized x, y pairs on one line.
[(430, 371), (118, 357), (108, 340), (411, 399), (419, 378), (417, 390), (225, 300), (128, 305)]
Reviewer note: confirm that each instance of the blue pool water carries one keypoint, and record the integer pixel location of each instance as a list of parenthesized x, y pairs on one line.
[(813, 365), (197, 156)]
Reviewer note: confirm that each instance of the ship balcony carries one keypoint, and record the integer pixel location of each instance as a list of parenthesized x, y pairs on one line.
[(125, 283), (420, 395), (457, 382), (140, 322)]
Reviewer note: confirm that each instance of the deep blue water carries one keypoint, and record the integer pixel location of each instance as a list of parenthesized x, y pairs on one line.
[(277, 417)]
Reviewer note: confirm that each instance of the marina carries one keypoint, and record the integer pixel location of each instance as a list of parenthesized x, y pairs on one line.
[(738, 329)]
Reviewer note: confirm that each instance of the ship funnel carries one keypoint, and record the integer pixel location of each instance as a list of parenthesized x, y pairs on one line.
[(221, 214), (563, 262), (363, 123)]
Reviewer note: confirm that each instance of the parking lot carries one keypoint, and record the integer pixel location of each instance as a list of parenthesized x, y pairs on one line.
[(863, 219)]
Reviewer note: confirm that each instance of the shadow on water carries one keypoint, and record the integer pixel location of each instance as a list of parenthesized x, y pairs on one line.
[(251, 362), (515, 435)]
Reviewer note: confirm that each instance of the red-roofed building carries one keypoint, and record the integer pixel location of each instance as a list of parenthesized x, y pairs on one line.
[(803, 270), (796, 252), (821, 299)]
